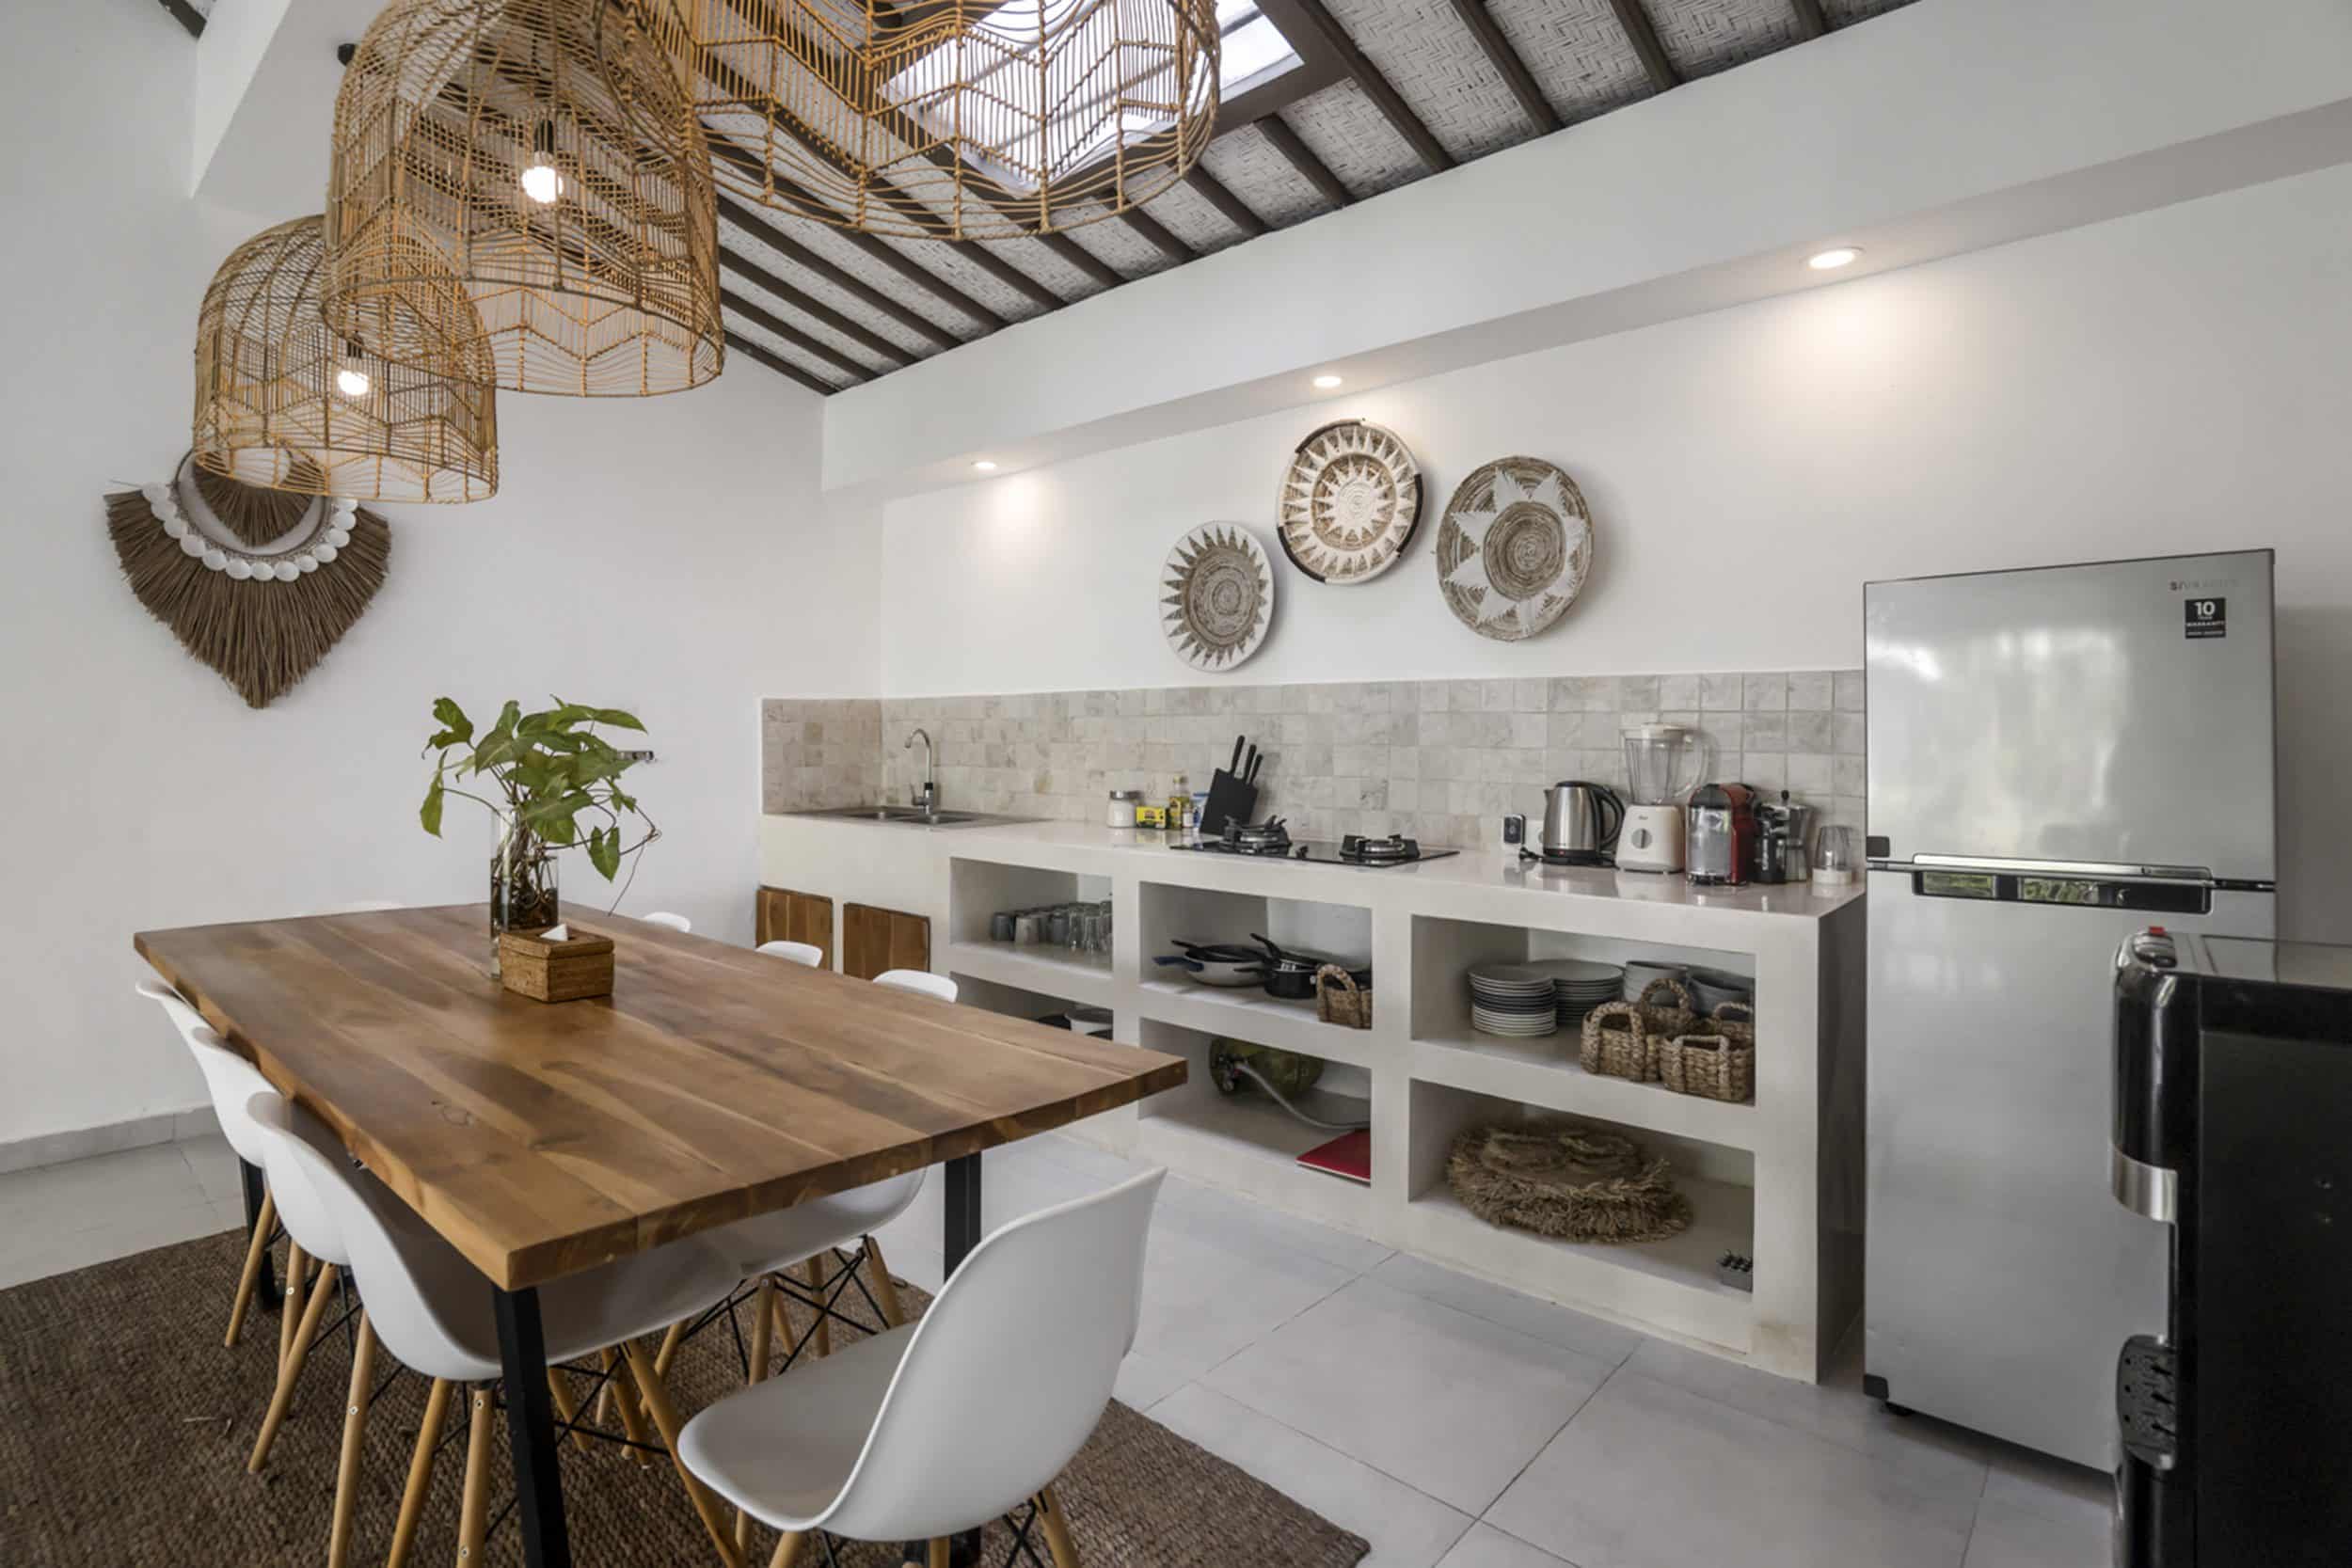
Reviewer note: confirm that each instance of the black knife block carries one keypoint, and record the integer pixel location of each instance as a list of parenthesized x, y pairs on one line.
[(1230, 800)]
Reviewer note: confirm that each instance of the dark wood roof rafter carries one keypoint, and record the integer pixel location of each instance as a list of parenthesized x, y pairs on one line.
[(1377, 87), (800, 256), (1811, 20), (1302, 158), (810, 306), (188, 16), (1642, 33), (782, 366), (1220, 196), (1507, 64), (1159, 236), (776, 326)]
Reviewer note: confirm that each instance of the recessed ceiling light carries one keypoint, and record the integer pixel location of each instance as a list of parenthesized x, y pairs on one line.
[(986, 465), (1324, 383), (1834, 258)]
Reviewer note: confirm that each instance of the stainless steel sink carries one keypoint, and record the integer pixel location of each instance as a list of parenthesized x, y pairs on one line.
[(910, 816)]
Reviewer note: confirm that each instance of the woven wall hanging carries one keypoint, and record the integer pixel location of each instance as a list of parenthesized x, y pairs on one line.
[(284, 402), (1514, 547), (957, 120), (547, 148), (257, 583), (1348, 502), (1217, 596)]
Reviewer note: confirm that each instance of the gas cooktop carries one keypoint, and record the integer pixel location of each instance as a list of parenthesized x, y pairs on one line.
[(1351, 850)]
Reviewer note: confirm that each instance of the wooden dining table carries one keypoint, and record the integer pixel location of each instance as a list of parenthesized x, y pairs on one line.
[(541, 1139)]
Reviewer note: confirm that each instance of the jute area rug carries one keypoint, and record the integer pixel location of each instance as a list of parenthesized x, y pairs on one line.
[(125, 1427)]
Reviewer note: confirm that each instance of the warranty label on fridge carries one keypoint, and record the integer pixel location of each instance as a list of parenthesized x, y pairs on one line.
[(2205, 617)]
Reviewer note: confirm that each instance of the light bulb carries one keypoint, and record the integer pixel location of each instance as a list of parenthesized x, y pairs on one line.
[(1834, 258), (542, 184), (351, 380), (986, 465), (1324, 383)]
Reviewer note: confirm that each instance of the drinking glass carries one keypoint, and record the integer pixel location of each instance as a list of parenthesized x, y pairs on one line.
[(1836, 854)]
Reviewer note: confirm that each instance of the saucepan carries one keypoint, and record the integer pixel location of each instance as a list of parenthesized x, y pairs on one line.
[(1227, 965), (1291, 974)]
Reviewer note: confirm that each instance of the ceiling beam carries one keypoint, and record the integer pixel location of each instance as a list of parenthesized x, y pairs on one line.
[(1377, 87), (1643, 35), (800, 255), (781, 366), (1302, 158), (810, 306), (1083, 259), (1219, 195), (1507, 64), (776, 326), (1811, 20), (188, 16), (1158, 233)]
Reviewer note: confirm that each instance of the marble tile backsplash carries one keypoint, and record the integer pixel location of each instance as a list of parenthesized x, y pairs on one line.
[(819, 752), (1441, 760)]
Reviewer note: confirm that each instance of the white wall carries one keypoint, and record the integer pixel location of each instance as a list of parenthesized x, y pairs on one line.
[(2180, 380), (669, 555)]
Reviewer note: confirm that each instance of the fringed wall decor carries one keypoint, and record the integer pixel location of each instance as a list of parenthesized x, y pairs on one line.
[(957, 120), (262, 608), (548, 150), (282, 402)]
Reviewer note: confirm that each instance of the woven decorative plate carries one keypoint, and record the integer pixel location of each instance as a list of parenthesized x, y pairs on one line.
[(1514, 548), (1349, 502), (1217, 596)]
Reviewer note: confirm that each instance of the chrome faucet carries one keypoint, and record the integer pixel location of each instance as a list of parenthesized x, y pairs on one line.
[(925, 795)]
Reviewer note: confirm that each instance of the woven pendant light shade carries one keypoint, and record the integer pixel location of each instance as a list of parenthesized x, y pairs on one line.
[(548, 149), (971, 120), (283, 402)]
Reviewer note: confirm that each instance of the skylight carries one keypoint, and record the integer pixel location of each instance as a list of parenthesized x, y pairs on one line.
[(1065, 118)]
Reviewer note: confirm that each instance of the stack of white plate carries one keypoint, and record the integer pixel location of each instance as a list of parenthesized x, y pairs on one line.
[(1640, 973), (1579, 985), (1513, 1000)]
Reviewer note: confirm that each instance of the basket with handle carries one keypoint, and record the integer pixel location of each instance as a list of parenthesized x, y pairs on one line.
[(1671, 1018), (1712, 1067), (1616, 1042), (1735, 1022), (1339, 1000)]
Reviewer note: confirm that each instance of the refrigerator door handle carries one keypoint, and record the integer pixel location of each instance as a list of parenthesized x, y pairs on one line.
[(2148, 1191), (2197, 874)]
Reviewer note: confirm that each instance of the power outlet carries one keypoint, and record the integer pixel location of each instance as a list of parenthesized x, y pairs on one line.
[(639, 756)]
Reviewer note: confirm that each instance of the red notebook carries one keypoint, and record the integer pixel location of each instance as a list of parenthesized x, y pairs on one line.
[(1348, 1155)]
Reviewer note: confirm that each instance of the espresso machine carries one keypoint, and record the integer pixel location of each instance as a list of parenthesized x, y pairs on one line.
[(1656, 760), (1721, 835)]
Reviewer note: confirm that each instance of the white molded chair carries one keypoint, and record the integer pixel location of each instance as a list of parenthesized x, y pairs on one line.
[(230, 1081), (800, 953), (675, 921), (931, 1429), (432, 1309), (920, 981)]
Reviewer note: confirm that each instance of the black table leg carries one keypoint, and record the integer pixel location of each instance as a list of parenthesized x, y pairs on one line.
[(265, 1283), (531, 1430)]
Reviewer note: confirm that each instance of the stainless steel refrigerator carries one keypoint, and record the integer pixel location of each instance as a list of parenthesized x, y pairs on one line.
[(2057, 759)]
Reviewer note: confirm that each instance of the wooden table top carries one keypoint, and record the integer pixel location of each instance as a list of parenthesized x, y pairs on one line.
[(714, 1084)]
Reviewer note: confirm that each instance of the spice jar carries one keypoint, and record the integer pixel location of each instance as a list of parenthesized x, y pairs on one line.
[(1122, 811)]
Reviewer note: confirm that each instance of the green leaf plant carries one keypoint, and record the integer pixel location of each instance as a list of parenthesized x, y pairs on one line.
[(549, 773)]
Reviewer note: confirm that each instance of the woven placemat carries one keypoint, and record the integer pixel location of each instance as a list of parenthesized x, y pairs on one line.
[(125, 1427)]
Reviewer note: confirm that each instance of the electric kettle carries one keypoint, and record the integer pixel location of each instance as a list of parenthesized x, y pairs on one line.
[(1580, 822)]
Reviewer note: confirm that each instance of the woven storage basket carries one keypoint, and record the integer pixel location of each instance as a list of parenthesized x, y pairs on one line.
[(1667, 1019), (1617, 1043), (1339, 1000), (1577, 1185), (1707, 1066), (1735, 1022)]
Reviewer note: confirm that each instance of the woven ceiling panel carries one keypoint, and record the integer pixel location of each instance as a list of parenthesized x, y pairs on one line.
[(801, 361), (1345, 130), (756, 293), (1843, 12), (1427, 53), (1041, 262), (836, 245), (955, 264), (1189, 215), (1703, 36), (880, 323), (1253, 170), (1127, 251), (1576, 51)]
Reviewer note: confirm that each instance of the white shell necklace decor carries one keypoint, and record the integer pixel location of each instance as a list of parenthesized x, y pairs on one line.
[(260, 584)]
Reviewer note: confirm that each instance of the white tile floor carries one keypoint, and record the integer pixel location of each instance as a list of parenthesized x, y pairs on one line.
[(1453, 1423)]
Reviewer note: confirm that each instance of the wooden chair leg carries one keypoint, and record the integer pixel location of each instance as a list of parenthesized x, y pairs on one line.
[(670, 1343), (561, 1392), (885, 1288), (763, 1326), (473, 1514), (815, 1270), (355, 1428), (788, 1549), (290, 1368), (1058, 1540), (783, 1316), (420, 1473), (290, 1308), (939, 1552), (658, 1405), (625, 1405), (255, 1252)]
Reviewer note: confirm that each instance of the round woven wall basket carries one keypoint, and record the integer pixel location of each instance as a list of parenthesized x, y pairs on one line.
[(1575, 1184)]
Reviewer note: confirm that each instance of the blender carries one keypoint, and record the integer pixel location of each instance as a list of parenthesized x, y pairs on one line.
[(1654, 760)]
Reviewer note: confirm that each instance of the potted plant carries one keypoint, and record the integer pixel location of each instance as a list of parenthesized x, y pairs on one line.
[(550, 777)]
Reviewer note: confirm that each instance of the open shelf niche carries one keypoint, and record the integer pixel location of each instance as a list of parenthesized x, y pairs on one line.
[(1245, 1142), (1670, 1284), (1167, 913), (978, 889)]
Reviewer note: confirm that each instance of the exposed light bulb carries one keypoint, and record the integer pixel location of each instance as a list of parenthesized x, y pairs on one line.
[(352, 380), (1834, 258), (542, 184), (985, 465), (1324, 383)]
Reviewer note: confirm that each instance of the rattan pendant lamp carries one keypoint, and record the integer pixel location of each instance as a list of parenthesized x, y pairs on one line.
[(283, 402), (969, 119), (547, 148)]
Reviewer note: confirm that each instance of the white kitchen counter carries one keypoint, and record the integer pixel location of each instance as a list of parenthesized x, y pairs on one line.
[(1779, 1180)]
